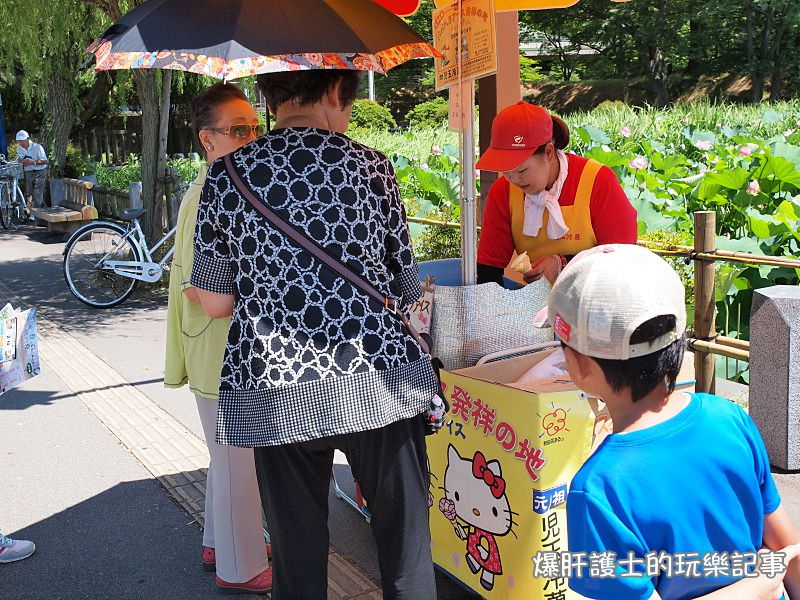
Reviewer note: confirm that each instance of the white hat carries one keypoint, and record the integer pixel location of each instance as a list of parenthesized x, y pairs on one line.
[(605, 293), (22, 135)]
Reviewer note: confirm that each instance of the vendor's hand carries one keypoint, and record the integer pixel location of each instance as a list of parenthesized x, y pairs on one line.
[(760, 587), (771, 588), (547, 266)]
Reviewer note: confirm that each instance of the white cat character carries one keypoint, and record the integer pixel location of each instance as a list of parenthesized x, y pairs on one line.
[(475, 493)]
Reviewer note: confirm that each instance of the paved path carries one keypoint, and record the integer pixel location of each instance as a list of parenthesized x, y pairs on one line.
[(98, 428), (104, 468)]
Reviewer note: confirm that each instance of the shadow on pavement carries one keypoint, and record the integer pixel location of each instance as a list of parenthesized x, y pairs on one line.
[(40, 234), (46, 398), (40, 282), (31, 398), (129, 542), (360, 549)]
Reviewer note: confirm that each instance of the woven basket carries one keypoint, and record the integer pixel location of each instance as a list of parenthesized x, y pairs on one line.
[(11, 170)]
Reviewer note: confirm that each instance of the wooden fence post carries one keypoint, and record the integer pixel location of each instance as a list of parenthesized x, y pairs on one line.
[(705, 240), (118, 156)]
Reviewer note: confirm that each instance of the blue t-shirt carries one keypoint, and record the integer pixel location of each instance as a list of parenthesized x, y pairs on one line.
[(697, 483)]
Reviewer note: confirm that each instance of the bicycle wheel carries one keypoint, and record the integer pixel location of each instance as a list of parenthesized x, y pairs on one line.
[(87, 251), (17, 213), (5, 205)]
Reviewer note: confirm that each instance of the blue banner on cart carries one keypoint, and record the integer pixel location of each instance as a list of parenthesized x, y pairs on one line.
[(544, 500)]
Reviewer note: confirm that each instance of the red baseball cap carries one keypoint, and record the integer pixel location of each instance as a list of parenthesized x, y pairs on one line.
[(517, 131)]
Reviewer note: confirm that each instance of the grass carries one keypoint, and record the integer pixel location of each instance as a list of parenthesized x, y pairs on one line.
[(666, 125), (413, 144), (760, 120)]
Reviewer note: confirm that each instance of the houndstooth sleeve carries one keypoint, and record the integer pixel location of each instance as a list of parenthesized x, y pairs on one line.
[(212, 264), (400, 254)]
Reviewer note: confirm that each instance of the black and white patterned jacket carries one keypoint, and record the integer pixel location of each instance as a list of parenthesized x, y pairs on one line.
[(308, 355)]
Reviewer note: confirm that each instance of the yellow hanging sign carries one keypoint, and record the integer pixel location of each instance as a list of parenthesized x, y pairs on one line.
[(469, 53)]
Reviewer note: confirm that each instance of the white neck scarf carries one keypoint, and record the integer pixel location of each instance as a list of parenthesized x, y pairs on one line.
[(536, 204)]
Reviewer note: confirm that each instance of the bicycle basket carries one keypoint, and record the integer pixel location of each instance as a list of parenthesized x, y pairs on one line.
[(11, 170)]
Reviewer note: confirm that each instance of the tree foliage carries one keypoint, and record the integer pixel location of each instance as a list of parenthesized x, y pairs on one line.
[(43, 57), (667, 41)]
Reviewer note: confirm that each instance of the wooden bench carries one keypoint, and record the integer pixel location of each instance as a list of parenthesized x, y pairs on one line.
[(76, 210)]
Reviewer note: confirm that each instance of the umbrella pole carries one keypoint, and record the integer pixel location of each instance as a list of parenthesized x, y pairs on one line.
[(469, 238), (371, 84)]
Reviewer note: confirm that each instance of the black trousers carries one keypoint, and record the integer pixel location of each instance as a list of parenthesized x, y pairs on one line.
[(390, 464)]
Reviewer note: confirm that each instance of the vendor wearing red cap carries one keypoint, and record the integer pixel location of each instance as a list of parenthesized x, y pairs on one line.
[(548, 203)]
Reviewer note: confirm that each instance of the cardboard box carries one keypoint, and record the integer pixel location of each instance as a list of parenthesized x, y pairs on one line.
[(500, 471)]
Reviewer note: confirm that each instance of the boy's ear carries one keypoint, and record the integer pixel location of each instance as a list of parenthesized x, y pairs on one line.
[(582, 363)]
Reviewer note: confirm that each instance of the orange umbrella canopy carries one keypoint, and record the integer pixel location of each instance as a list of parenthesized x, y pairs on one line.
[(403, 8)]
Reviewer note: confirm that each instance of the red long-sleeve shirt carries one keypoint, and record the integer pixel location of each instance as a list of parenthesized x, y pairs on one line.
[(613, 217)]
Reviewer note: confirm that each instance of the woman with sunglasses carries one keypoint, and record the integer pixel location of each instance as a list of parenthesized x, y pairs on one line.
[(233, 541)]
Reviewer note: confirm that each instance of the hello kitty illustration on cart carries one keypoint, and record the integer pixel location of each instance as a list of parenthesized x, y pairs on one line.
[(475, 494)]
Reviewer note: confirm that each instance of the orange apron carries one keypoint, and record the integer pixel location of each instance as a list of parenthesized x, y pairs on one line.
[(577, 217)]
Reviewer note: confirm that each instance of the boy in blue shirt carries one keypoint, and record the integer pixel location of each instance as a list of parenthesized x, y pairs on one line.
[(683, 476)]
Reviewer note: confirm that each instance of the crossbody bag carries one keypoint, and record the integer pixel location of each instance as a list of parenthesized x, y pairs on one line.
[(434, 416)]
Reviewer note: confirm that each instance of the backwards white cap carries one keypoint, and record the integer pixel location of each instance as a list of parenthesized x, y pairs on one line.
[(22, 135), (605, 293)]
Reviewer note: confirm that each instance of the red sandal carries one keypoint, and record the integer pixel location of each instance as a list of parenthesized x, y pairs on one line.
[(209, 557), (260, 584)]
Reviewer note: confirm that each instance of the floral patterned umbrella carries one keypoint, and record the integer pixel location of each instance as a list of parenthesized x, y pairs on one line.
[(229, 39)]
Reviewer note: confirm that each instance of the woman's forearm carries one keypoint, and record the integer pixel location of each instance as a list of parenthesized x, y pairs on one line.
[(191, 294)]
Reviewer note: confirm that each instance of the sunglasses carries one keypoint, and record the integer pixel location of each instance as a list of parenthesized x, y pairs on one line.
[(239, 132)]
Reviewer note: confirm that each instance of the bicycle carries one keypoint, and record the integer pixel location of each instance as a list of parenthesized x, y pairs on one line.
[(105, 261), (12, 200)]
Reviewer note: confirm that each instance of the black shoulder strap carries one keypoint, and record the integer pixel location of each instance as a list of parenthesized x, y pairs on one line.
[(317, 251)]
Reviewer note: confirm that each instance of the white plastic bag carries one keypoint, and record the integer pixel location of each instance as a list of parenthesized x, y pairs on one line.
[(20, 352)]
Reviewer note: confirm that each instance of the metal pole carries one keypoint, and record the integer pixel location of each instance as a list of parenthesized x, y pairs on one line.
[(705, 240), (469, 238), (371, 82)]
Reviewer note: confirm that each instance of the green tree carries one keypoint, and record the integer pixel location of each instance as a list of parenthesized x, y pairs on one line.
[(633, 39), (152, 98), (371, 115), (42, 49), (414, 77), (772, 42), (669, 41)]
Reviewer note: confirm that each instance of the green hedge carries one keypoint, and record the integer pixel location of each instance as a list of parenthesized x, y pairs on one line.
[(371, 115), (432, 113)]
